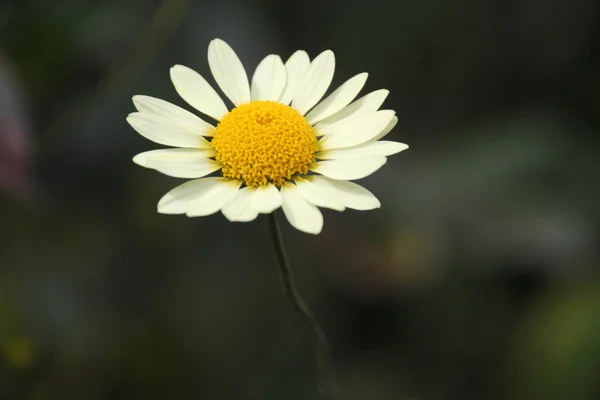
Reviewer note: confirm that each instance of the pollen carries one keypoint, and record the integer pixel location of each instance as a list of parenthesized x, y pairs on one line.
[(264, 141)]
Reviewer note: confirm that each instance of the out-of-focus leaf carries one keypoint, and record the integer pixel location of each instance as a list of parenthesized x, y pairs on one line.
[(557, 354)]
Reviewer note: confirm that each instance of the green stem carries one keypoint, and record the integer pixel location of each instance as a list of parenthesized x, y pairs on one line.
[(327, 385)]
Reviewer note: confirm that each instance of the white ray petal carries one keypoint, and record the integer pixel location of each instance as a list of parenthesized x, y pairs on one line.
[(357, 131), (214, 200), (315, 82), (179, 199), (386, 130), (179, 163), (240, 207), (295, 68), (369, 149), (269, 79), (197, 92), (317, 196), (337, 100), (161, 130), (266, 198), (301, 214), (176, 115), (367, 104), (348, 169), (349, 194), (229, 72)]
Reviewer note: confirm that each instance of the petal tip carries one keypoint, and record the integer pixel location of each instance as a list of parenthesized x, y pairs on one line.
[(162, 209), (131, 116), (384, 92), (217, 42), (139, 159), (138, 101), (178, 68)]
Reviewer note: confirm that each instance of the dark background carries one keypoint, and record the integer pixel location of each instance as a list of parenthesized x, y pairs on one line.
[(477, 279)]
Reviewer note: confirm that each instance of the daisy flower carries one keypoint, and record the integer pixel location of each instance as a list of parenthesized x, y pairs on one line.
[(280, 145)]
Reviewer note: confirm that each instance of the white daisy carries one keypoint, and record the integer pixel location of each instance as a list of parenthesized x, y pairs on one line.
[(276, 148)]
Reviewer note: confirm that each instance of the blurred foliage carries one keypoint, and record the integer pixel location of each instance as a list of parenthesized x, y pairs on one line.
[(478, 278), (562, 337)]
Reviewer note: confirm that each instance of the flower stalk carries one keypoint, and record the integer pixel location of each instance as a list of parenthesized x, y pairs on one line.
[(325, 368)]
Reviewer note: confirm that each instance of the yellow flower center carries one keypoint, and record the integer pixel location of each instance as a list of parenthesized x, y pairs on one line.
[(264, 141)]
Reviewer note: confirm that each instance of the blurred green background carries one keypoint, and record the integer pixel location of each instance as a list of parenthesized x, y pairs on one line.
[(479, 278)]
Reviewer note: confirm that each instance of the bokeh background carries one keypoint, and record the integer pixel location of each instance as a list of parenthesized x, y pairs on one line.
[(479, 278)]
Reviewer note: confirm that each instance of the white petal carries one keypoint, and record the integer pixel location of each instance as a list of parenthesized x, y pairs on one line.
[(265, 199), (229, 72), (318, 196), (315, 82), (214, 199), (348, 169), (301, 214), (240, 207), (161, 130), (349, 194), (364, 150), (179, 163), (365, 105), (357, 130), (197, 92), (386, 130), (295, 68), (176, 115), (179, 200), (337, 100), (269, 79)]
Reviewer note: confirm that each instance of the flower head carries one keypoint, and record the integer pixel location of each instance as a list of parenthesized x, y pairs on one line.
[(276, 148)]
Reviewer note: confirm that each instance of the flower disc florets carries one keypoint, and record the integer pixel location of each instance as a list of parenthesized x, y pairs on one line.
[(264, 141)]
